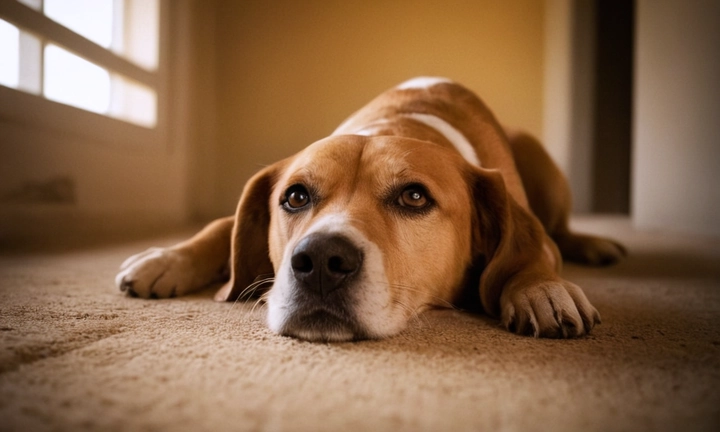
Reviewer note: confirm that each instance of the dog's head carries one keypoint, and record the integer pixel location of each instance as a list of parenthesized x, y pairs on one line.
[(362, 233)]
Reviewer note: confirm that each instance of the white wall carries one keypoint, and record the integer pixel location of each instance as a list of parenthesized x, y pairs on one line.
[(676, 160), (569, 55)]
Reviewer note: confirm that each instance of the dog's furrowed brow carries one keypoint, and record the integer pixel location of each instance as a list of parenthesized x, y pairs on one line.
[(304, 176), (404, 174), (318, 176)]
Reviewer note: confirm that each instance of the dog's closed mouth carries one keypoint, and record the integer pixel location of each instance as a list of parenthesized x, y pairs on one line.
[(322, 325)]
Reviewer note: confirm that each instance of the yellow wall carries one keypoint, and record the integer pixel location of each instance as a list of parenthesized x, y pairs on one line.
[(288, 71)]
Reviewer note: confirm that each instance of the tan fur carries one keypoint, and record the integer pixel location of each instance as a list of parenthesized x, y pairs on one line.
[(507, 217)]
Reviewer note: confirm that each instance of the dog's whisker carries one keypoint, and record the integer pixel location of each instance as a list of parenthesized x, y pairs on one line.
[(442, 302), (413, 312), (262, 300), (248, 292), (259, 281), (230, 309), (406, 308)]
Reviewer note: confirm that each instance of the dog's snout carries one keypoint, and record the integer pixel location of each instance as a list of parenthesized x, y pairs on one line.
[(324, 262)]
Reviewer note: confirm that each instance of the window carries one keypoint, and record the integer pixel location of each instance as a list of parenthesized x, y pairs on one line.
[(100, 56)]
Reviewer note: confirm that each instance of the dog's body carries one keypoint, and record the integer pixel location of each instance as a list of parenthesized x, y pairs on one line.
[(413, 199)]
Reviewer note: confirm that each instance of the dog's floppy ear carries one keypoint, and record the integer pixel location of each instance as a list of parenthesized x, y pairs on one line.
[(249, 251), (505, 236)]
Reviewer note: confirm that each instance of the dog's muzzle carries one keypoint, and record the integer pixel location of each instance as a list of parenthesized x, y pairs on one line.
[(325, 269), (323, 263)]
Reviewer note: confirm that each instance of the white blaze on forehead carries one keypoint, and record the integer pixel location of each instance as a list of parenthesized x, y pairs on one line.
[(331, 223), (453, 135), (422, 83)]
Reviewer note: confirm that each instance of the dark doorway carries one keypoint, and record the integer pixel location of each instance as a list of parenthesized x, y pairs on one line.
[(612, 123)]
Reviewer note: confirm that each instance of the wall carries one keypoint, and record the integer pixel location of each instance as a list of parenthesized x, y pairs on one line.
[(558, 73), (67, 174), (568, 93), (676, 160), (288, 72), (104, 186)]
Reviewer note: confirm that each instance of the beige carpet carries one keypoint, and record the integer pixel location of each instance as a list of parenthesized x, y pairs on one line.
[(76, 355)]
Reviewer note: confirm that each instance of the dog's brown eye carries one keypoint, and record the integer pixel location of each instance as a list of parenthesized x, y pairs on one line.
[(413, 197), (296, 197)]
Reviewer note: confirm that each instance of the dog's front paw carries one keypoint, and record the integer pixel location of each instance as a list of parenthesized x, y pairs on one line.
[(156, 273), (554, 309)]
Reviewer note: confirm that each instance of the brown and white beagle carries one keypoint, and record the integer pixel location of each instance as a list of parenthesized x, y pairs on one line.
[(418, 200)]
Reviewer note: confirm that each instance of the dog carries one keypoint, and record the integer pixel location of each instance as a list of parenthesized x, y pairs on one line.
[(418, 200)]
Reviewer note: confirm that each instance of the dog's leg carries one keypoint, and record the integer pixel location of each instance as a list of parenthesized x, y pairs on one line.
[(179, 269), (549, 195)]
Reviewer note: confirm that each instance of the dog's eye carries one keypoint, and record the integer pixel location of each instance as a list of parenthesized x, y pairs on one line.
[(413, 197), (296, 197)]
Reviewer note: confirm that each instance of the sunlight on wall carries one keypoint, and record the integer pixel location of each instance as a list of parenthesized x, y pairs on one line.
[(138, 40), (10, 54), (75, 81), (31, 60), (92, 19), (133, 101)]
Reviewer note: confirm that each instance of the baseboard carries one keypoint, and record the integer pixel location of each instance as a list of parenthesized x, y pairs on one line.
[(52, 227)]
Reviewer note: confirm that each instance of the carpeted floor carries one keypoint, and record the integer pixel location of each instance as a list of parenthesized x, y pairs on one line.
[(77, 355)]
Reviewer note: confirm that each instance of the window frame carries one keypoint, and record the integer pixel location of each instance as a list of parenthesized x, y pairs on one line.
[(33, 110)]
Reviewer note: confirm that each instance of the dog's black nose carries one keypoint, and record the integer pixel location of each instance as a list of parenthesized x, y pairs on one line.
[(325, 262)]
